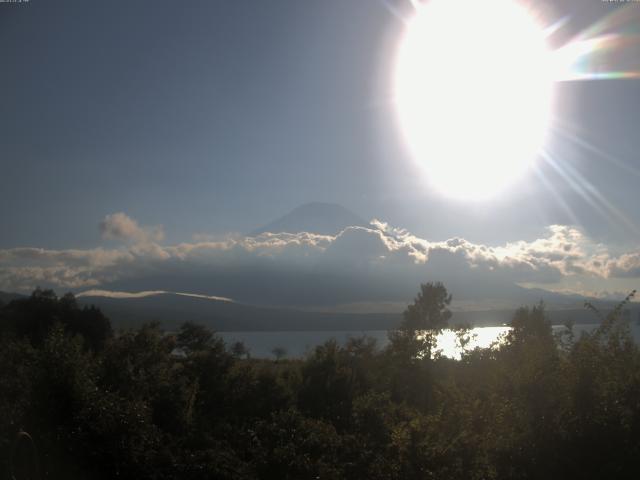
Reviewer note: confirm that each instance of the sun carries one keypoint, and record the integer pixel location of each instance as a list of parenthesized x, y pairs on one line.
[(473, 91)]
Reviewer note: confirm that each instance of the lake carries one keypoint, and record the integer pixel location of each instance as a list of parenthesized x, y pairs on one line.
[(299, 343)]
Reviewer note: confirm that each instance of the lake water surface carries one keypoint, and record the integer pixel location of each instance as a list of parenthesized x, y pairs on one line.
[(299, 343)]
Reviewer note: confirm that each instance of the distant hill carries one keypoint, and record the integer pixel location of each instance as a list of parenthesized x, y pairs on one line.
[(171, 310), (6, 297), (316, 217)]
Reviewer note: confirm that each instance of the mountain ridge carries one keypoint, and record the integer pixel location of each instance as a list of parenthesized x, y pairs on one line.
[(172, 309)]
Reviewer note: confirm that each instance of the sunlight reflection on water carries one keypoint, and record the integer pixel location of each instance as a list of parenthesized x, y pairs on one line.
[(449, 345), (300, 343)]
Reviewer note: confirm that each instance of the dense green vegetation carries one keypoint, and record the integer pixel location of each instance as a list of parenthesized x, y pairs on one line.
[(148, 405)]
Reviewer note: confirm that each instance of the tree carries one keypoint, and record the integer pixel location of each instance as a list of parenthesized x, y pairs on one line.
[(422, 321), (35, 316), (429, 310), (240, 350), (195, 338), (530, 323), (279, 353)]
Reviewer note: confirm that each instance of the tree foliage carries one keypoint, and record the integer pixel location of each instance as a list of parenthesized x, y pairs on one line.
[(429, 310), (151, 404)]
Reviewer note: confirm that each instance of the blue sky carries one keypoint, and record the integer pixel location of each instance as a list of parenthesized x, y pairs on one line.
[(209, 117)]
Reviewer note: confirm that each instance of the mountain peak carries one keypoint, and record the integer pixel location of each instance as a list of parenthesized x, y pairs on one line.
[(315, 217)]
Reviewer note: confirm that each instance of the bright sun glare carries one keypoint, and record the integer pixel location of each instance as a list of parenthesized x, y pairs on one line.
[(473, 93)]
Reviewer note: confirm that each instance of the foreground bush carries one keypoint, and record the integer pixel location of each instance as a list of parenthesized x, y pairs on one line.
[(145, 404)]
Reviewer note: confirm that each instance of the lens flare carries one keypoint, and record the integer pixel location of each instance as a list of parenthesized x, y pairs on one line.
[(609, 49), (473, 93), (473, 86)]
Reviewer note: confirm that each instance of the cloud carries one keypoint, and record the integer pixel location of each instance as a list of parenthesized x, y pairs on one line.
[(359, 264), (626, 266), (119, 226), (144, 294)]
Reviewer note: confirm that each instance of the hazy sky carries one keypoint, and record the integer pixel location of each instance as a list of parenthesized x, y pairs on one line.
[(218, 116)]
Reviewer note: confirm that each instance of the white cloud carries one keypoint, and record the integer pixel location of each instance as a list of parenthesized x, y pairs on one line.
[(625, 266), (119, 226), (379, 257), (96, 292)]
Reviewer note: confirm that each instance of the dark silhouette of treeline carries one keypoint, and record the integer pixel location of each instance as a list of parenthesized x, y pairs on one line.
[(144, 404)]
